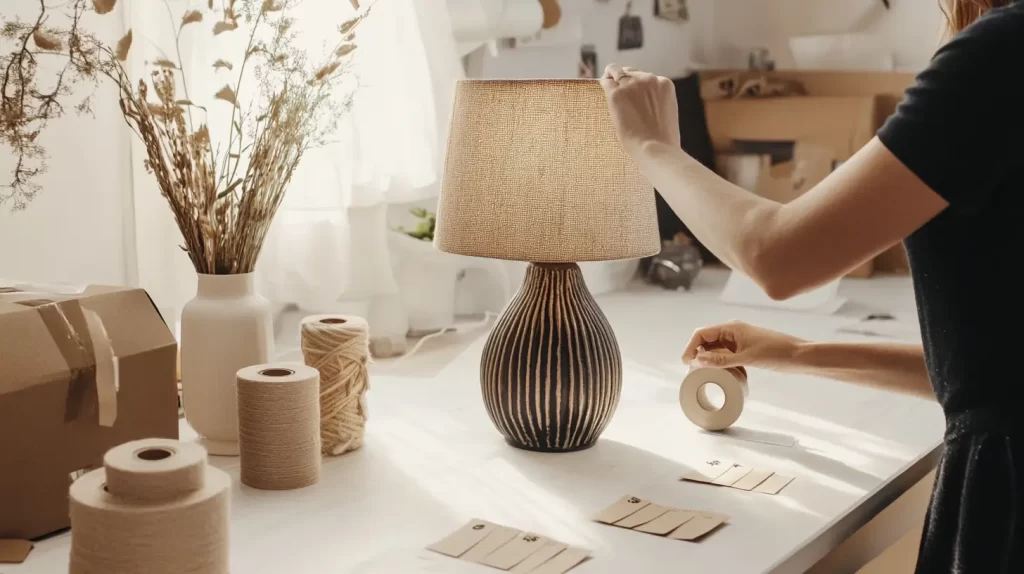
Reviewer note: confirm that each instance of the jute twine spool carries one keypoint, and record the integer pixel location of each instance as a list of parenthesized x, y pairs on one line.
[(155, 507), (279, 426), (338, 347)]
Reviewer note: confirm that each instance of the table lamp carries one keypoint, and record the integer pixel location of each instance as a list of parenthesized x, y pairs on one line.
[(534, 172)]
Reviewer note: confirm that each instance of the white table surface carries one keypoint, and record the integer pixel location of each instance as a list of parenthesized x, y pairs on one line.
[(432, 461)]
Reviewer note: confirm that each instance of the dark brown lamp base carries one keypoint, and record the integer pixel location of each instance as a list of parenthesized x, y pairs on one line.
[(551, 371)]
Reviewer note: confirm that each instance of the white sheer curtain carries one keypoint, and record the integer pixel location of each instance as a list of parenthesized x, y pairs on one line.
[(328, 246)]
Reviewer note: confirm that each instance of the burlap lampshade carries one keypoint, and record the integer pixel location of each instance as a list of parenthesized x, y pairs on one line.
[(535, 172)]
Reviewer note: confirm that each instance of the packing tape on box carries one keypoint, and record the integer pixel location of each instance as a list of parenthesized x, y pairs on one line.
[(166, 512), (83, 342), (699, 409)]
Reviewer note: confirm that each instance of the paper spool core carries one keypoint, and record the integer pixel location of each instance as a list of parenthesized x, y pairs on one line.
[(277, 372), (713, 402), (333, 321), (154, 453)]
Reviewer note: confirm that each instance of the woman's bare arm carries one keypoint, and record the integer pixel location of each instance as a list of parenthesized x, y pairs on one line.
[(889, 366), (871, 202)]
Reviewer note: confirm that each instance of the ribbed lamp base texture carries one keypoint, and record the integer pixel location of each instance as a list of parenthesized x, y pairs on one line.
[(551, 372)]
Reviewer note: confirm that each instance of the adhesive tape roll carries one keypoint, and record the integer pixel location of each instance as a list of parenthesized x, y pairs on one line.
[(699, 409), (154, 469), (113, 534)]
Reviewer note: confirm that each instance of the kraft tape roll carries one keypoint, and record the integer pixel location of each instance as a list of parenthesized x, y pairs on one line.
[(186, 532), (339, 347), (696, 406), (279, 426), (154, 469)]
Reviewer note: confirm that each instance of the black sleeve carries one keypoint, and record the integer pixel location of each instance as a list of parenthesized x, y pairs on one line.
[(959, 128)]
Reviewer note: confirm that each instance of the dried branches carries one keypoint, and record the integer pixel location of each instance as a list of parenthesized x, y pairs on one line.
[(222, 203), (27, 103)]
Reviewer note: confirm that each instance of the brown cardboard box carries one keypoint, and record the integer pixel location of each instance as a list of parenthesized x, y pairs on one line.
[(822, 131), (887, 86), (51, 405)]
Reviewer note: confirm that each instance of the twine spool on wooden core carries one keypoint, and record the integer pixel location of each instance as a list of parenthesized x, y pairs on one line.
[(338, 347), (155, 507), (279, 426)]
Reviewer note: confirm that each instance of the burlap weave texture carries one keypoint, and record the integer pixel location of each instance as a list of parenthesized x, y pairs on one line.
[(535, 172)]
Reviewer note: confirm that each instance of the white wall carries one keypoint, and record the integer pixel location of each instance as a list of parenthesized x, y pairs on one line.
[(721, 33), (73, 230), (911, 30), (666, 48)]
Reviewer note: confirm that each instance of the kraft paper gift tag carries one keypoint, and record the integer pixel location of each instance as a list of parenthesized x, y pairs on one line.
[(500, 536), (642, 516), (14, 551), (549, 551), (709, 471), (774, 485), (753, 479), (459, 542), (624, 507), (563, 561), (666, 523), (520, 548), (701, 524), (732, 475)]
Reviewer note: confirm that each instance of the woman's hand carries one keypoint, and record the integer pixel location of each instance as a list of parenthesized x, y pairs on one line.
[(643, 107), (737, 344)]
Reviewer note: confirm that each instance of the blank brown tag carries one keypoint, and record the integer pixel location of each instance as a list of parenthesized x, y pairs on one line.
[(14, 551), (709, 471), (539, 557), (563, 561), (459, 542), (701, 524), (519, 549), (500, 536), (774, 485), (754, 478), (624, 507), (642, 516), (666, 523), (732, 476)]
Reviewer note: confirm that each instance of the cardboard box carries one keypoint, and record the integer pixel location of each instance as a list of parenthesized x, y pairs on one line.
[(887, 87), (815, 135), (62, 405)]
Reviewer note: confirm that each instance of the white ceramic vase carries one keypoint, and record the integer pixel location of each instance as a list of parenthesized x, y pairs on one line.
[(226, 327)]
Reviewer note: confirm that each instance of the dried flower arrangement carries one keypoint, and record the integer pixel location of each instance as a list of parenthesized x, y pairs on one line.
[(223, 200)]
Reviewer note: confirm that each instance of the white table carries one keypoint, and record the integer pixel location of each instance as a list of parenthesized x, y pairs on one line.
[(432, 461)]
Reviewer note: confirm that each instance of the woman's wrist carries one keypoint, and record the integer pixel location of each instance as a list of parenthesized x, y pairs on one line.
[(785, 355)]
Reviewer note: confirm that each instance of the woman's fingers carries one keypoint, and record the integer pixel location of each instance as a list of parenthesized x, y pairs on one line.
[(615, 72), (719, 358), (700, 337), (712, 338)]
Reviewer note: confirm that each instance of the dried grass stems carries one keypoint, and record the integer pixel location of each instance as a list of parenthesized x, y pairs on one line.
[(223, 202)]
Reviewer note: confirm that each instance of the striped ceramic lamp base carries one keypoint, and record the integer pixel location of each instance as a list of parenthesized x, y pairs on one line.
[(551, 371)]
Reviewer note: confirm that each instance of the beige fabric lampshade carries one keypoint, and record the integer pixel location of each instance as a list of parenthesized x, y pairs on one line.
[(535, 172)]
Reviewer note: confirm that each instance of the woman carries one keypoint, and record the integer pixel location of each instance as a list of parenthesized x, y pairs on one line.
[(945, 174)]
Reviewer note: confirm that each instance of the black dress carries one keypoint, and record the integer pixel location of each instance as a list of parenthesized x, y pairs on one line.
[(961, 130)]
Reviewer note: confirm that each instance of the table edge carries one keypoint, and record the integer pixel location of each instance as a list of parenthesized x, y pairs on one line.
[(828, 538)]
